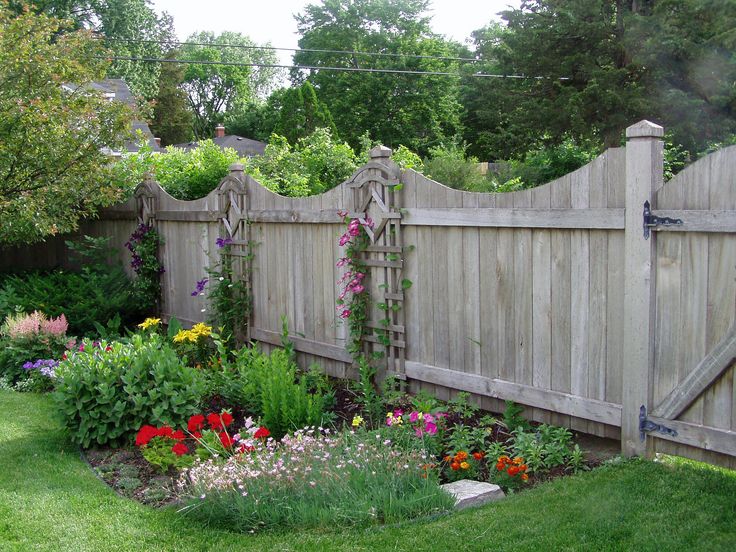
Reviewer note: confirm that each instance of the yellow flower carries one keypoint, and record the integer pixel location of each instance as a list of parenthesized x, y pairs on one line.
[(185, 335), (465, 465), (149, 323), (357, 421), (201, 329)]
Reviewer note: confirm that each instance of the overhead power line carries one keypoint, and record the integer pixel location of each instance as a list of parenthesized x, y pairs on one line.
[(298, 50), (320, 68)]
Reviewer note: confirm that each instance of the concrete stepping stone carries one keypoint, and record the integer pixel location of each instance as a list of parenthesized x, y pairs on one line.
[(472, 493)]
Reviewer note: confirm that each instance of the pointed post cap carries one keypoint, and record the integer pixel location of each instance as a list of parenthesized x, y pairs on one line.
[(381, 152), (644, 129)]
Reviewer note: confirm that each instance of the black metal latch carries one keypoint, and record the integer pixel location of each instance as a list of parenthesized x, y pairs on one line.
[(650, 220), (645, 425)]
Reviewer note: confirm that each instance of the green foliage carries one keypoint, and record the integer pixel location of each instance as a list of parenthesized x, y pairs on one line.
[(424, 401), (546, 448), (300, 112), (418, 111), (372, 404), (185, 175), (158, 453), (448, 165), (268, 385), (544, 164), (105, 396), (316, 163), (214, 90), (96, 294), (467, 438), (54, 128), (462, 407), (229, 298), (172, 117), (132, 28), (17, 350), (512, 417)]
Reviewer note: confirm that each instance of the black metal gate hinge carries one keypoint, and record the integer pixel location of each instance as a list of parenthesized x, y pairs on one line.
[(646, 425), (650, 220)]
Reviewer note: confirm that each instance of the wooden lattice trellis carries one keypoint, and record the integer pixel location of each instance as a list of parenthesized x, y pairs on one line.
[(233, 214), (374, 196)]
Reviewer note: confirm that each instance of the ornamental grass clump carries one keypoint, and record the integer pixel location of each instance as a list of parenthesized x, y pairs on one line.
[(313, 478)]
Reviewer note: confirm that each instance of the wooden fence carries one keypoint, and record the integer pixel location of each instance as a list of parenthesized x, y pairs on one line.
[(571, 298)]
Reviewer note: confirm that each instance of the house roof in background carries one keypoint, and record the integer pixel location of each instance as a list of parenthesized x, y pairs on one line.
[(123, 94), (244, 146)]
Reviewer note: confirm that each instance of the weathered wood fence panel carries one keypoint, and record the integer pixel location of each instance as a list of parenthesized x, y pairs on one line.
[(551, 297)]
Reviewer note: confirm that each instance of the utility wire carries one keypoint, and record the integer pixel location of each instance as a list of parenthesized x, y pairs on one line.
[(298, 50), (318, 68)]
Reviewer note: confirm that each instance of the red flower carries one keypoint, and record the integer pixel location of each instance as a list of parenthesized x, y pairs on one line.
[(196, 434), (479, 455), (245, 448), (178, 435), (261, 433), (165, 431), (145, 434), (226, 440), (513, 470), (179, 449), (195, 423), (227, 418), (215, 421)]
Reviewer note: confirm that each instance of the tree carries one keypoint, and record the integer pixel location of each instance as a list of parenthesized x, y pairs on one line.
[(133, 29), (54, 128), (172, 117), (214, 90), (301, 112), (418, 111), (603, 65)]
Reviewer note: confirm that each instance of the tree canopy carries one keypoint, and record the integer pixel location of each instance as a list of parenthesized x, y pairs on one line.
[(214, 90), (55, 129), (415, 110)]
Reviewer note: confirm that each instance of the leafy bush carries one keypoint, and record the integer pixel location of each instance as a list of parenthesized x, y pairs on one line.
[(549, 162), (293, 484), (27, 338), (183, 174), (96, 294), (107, 392), (314, 165), (450, 166)]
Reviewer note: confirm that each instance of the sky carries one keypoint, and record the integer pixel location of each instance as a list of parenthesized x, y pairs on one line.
[(273, 20)]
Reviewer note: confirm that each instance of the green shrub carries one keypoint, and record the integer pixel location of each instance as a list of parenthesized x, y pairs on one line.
[(549, 162), (97, 293), (269, 387), (106, 393), (450, 166)]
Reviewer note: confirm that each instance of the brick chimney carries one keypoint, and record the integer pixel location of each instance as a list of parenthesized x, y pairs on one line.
[(219, 131)]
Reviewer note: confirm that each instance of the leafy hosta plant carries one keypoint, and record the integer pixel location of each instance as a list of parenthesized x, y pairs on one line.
[(106, 392)]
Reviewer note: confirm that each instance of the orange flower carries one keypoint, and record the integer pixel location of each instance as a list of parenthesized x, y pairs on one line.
[(505, 459), (500, 466), (460, 456), (479, 455), (524, 477), (447, 458), (465, 465), (513, 470), (523, 467), (518, 460), (455, 466)]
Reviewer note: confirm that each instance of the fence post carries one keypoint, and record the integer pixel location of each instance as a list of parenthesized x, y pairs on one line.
[(644, 175)]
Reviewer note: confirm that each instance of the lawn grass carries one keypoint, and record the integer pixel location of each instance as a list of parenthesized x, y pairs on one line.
[(50, 500)]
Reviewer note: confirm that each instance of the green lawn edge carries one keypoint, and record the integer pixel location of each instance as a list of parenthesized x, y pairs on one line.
[(50, 500)]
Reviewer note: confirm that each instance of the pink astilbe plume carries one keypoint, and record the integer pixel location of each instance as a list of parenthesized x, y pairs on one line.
[(23, 325), (55, 326)]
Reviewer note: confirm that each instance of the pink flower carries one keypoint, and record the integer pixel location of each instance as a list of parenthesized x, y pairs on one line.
[(418, 431), (345, 313), (430, 428), (414, 416), (428, 418), (358, 289), (345, 238), (368, 222), (359, 276), (342, 262)]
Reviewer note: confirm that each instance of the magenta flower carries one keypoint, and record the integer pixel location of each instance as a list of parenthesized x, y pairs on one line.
[(430, 427), (345, 238), (345, 313), (358, 289), (414, 416), (428, 418), (342, 262)]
